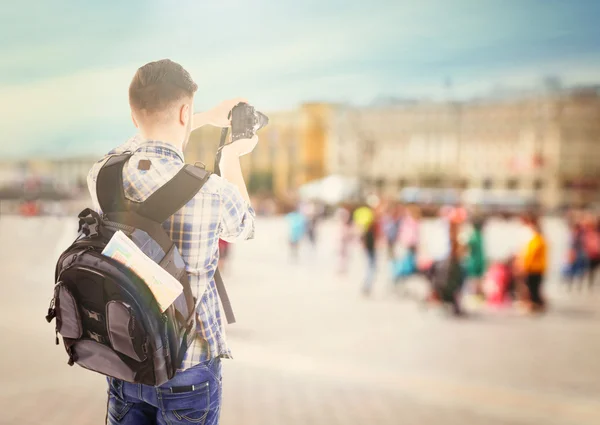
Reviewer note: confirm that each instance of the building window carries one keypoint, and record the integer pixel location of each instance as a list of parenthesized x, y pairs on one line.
[(432, 182), (538, 184), (512, 184)]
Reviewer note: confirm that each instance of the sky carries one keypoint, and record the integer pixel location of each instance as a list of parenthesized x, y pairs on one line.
[(65, 66)]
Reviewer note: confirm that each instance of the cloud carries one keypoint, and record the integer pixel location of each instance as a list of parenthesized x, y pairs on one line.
[(64, 75)]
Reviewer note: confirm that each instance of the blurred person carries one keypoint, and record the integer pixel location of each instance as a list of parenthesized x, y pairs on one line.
[(346, 235), (448, 276), (475, 261), (577, 260), (404, 268), (498, 283), (224, 248), (409, 231), (533, 264), (363, 217), (449, 216), (366, 225), (591, 242), (161, 96), (311, 215), (296, 230), (391, 222), (369, 241)]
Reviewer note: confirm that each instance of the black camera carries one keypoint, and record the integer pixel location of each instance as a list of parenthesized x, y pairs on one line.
[(246, 121)]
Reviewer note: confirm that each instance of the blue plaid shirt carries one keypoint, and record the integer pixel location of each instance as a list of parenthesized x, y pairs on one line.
[(218, 211)]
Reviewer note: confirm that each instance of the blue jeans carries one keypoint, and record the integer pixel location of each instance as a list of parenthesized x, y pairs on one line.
[(371, 270), (192, 396)]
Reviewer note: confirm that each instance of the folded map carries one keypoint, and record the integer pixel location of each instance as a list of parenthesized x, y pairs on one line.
[(164, 287)]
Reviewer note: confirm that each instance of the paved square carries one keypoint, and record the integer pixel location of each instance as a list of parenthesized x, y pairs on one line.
[(375, 361)]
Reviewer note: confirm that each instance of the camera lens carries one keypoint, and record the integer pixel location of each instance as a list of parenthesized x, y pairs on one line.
[(261, 120)]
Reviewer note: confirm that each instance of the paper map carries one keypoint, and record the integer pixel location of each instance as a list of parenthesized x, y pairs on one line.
[(164, 287)]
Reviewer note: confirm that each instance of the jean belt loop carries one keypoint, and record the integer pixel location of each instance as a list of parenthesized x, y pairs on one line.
[(119, 385)]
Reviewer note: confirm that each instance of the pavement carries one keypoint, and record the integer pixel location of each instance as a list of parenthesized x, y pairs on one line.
[(308, 348)]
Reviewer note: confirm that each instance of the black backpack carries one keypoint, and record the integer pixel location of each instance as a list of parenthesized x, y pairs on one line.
[(107, 316)]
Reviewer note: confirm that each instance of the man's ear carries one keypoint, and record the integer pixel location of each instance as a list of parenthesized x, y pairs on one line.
[(184, 114), (134, 121)]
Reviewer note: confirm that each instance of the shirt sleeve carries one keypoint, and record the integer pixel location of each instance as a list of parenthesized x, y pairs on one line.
[(91, 183), (237, 216), (130, 145)]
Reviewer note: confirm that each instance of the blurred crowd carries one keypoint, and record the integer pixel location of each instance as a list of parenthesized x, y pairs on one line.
[(461, 270)]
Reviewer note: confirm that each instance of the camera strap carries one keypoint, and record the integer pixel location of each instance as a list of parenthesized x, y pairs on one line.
[(217, 169), (227, 309)]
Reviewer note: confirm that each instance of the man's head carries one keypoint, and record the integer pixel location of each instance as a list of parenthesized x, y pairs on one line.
[(161, 97), (532, 221)]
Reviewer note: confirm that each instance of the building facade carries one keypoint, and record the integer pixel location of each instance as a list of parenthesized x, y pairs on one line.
[(547, 147)]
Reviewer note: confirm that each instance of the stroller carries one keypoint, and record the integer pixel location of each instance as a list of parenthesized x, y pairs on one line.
[(499, 283), (447, 279)]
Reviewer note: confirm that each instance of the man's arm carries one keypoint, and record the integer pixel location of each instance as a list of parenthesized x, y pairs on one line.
[(231, 170), (217, 116), (237, 215)]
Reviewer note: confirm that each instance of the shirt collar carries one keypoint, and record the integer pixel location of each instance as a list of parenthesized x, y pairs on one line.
[(160, 149)]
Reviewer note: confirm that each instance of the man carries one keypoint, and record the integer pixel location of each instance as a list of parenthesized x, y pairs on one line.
[(365, 222), (297, 228), (533, 264), (161, 97)]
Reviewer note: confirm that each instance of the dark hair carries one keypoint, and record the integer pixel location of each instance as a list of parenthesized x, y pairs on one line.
[(532, 219), (156, 85), (478, 223)]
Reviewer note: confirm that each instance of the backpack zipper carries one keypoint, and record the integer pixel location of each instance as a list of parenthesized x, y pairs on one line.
[(52, 311), (118, 226)]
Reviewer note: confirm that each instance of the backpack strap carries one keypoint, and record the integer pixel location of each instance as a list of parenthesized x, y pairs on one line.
[(109, 185), (227, 309), (174, 194)]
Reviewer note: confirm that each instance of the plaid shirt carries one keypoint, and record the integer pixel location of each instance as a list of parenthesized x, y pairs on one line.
[(218, 211)]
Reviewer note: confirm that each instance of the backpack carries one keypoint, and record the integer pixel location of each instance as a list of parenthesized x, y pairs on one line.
[(107, 316)]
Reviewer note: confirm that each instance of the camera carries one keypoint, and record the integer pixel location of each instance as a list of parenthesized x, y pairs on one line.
[(246, 121)]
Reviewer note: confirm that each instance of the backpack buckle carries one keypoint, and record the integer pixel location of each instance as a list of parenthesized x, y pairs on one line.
[(93, 230), (90, 219), (96, 337), (93, 315)]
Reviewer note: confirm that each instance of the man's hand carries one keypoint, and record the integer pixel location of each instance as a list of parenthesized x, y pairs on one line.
[(217, 116), (240, 147)]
